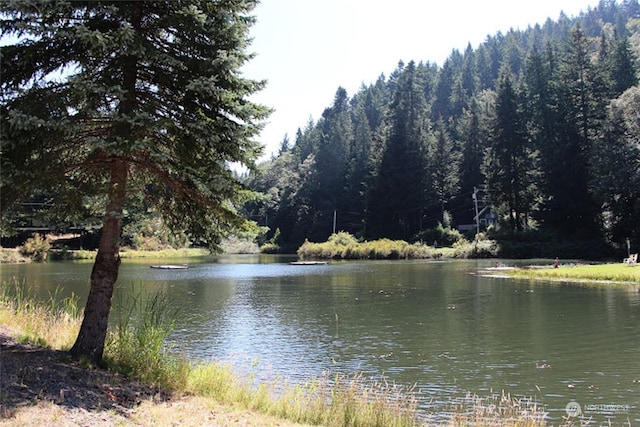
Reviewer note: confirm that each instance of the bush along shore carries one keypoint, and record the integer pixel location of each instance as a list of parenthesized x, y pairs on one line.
[(445, 242), (343, 245), (136, 352)]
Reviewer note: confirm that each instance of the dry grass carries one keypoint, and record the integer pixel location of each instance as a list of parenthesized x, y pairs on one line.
[(495, 410), (54, 324), (188, 411)]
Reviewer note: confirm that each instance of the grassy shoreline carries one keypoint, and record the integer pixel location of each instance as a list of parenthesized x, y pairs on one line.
[(13, 255), (617, 273)]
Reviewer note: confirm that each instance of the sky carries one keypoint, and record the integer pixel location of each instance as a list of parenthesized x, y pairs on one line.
[(307, 49)]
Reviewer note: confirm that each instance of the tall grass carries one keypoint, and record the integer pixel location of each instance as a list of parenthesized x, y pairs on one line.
[(54, 323), (136, 346), (328, 400), (602, 272), (495, 410)]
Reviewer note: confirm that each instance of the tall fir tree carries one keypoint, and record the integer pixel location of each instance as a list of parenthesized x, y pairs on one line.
[(616, 164), (398, 199), (331, 164), (510, 155), (473, 140), (444, 160), (570, 206), (135, 98)]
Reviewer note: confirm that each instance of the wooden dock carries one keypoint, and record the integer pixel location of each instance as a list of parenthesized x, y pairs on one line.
[(170, 267), (308, 263)]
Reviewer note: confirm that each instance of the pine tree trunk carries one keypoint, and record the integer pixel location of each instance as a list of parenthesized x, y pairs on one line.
[(93, 331)]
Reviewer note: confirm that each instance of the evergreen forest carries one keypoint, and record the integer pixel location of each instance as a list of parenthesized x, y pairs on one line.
[(535, 131)]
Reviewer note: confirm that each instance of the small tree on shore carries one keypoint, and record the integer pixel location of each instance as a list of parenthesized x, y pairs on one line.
[(117, 99)]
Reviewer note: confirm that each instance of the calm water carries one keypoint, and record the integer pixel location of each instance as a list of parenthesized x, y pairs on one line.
[(437, 325)]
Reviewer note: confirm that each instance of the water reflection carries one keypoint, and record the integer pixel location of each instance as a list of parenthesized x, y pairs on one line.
[(436, 325)]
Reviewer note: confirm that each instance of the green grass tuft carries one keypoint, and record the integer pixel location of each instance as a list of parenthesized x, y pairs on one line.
[(598, 273)]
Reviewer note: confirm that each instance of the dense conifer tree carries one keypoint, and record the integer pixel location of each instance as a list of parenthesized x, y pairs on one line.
[(358, 174), (617, 172), (510, 157), (398, 199), (329, 173), (444, 165), (473, 140), (126, 98), (571, 207), (621, 70)]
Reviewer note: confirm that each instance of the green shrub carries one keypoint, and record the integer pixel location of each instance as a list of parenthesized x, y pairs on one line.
[(151, 234), (445, 236), (480, 248), (342, 238), (36, 247), (344, 246), (270, 248)]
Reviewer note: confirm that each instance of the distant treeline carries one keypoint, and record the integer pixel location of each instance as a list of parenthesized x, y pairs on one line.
[(540, 125)]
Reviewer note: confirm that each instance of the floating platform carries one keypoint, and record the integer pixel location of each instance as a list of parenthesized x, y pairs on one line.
[(170, 267), (308, 263)]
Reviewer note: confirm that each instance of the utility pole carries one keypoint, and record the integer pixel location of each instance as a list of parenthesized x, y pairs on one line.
[(334, 222), (475, 203)]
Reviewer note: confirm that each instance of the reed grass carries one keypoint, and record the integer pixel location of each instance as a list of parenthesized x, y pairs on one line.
[(338, 400), (599, 273), (495, 410), (479, 248), (54, 323), (135, 347)]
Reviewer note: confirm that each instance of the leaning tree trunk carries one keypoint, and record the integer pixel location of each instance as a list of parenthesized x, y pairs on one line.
[(93, 331)]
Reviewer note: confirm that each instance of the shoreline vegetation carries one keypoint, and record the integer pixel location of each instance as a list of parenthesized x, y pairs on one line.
[(39, 248), (15, 256), (135, 354), (445, 243), (343, 245), (617, 273)]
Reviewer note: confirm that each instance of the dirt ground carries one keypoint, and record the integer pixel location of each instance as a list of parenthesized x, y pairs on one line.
[(39, 386)]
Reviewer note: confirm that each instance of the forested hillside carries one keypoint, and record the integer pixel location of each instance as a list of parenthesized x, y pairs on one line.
[(542, 124)]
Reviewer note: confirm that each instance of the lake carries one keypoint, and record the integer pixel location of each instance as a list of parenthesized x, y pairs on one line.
[(440, 326)]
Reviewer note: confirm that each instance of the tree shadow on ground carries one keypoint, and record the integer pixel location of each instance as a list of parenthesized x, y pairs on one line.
[(31, 374)]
